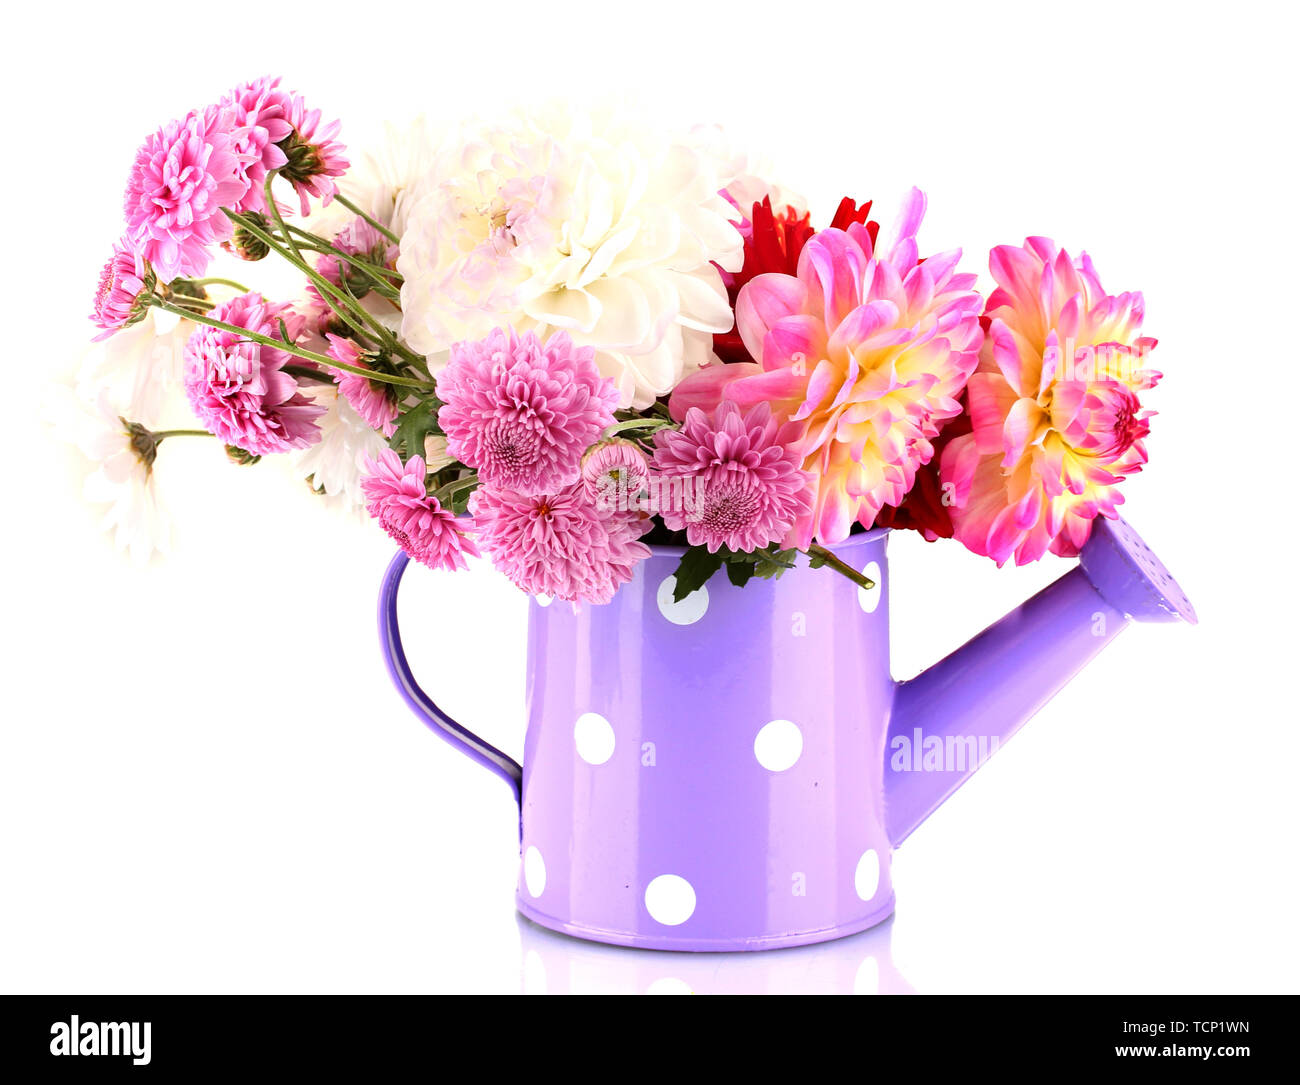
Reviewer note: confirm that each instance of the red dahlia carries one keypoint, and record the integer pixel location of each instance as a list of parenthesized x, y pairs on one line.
[(773, 243)]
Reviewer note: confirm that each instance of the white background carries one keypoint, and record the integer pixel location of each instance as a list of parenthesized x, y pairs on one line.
[(206, 782)]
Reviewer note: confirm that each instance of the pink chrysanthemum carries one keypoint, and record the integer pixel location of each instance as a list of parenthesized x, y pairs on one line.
[(183, 175), (521, 412), (868, 348), (357, 238), (1054, 409), (375, 401), (239, 389), (561, 544), (123, 295), (314, 156), (749, 488), (261, 122), (613, 469), (397, 497)]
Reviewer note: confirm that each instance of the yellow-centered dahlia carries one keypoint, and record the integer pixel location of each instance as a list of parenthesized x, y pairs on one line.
[(1056, 419), (866, 350)]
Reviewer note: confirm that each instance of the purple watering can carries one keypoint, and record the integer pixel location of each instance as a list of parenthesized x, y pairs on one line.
[(733, 771)]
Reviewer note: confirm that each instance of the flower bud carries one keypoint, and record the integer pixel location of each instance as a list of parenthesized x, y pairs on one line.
[(241, 456), (304, 159), (245, 244)]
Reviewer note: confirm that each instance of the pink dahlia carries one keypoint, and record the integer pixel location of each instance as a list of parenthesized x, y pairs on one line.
[(749, 487), (559, 544), (866, 348), (314, 157), (523, 412), (376, 402), (775, 234), (183, 176), (261, 122), (123, 295), (239, 388), (1055, 415), (397, 497), (612, 469)]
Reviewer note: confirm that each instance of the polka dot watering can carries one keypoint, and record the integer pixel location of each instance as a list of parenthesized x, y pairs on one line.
[(733, 771)]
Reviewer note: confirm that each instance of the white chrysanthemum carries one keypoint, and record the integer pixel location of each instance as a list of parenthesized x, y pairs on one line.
[(552, 224), (122, 478), (334, 462), (138, 367)]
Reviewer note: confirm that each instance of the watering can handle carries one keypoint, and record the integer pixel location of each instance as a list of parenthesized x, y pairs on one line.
[(390, 638)]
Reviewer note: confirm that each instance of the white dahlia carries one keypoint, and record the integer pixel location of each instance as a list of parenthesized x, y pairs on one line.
[(556, 224), (746, 178)]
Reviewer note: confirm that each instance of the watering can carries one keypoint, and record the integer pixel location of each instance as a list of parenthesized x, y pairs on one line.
[(733, 771)]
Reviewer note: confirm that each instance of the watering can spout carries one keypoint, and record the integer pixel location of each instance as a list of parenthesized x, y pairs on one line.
[(948, 720)]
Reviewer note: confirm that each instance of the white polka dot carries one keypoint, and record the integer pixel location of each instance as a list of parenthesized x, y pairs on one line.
[(534, 872), (869, 598), (669, 985), (544, 600), (778, 745), (670, 900), (866, 981), (594, 738), (689, 610), (866, 879)]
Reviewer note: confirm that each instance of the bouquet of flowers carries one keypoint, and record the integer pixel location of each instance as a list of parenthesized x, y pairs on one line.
[(555, 340)]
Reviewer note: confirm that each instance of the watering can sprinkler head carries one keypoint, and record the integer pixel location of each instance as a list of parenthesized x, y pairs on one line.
[(1130, 577), (979, 696)]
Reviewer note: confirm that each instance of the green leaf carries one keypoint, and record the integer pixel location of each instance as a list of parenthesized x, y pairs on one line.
[(697, 565), (770, 563), (460, 499), (413, 426), (695, 568), (740, 572)]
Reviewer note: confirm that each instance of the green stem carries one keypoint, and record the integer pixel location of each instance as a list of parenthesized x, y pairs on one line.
[(343, 304), (212, 280), (275, 213), (327, 289), (303, 373), (386, 289), (200, 305), (165, 433), (825, 557), (638, 423), (319, 244), (296, 351), (377, 225)]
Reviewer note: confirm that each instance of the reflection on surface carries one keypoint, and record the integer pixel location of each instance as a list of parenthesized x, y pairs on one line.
[(556, 964)]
